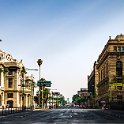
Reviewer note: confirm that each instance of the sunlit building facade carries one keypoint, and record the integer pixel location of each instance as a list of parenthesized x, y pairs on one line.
[(15, 87), (110, 69)]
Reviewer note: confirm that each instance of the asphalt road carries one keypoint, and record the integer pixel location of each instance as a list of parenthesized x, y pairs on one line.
[(65, 116)]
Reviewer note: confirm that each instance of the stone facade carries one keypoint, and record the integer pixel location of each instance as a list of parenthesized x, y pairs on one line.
[(92, 85), (13, 89), (110, 70)]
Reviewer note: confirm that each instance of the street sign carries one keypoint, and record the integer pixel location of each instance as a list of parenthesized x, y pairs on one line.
[(48, 83), (44, 83)]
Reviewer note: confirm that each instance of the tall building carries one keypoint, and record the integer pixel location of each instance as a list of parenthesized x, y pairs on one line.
[(110, 69), (15, 87)]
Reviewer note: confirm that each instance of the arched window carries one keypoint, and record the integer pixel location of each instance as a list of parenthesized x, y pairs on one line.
[(10, 104), (119, 69)]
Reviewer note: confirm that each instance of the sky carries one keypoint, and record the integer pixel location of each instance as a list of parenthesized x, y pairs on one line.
[(68, 35)]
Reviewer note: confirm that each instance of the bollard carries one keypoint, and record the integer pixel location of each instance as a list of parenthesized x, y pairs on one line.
[(11, 110), (2, 109)]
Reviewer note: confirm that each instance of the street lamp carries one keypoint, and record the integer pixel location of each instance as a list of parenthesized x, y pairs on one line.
[(39, 62)]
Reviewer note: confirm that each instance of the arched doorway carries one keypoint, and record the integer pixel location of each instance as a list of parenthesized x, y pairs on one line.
[(10, 103)]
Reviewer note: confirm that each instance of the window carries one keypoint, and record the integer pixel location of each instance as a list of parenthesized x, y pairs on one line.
[(115, 48), (119, 64), (9, 95), (119, 87), (10, 83), (27, 84), (119, 49), (10, 72), (123, 49), (118, 69), (119, 97), (119, 80), (101, 75)]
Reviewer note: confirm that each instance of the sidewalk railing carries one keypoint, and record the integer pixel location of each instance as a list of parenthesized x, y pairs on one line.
[(6, 111)]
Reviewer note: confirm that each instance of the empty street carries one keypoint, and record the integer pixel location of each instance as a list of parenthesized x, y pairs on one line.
[(64, 116)]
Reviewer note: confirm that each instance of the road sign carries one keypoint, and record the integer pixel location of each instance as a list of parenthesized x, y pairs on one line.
[(44, 83), (48, 83)]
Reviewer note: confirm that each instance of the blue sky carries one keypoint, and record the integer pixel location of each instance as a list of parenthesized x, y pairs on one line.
[(68, 35)]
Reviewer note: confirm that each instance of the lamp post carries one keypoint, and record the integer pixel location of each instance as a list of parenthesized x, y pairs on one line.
[(39, 62), (32, 92)]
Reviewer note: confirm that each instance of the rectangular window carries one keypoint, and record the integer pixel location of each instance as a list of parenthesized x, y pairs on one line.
[(9, 95), (119, 97), (119, 87), (119, 49), (10, 83), (101, 75), (119, 69), (26, 84), (123, 49), (119, 80), (115, 48), (10, 72)]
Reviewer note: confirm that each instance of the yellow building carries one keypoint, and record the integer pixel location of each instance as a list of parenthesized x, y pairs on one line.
[(15, 87)]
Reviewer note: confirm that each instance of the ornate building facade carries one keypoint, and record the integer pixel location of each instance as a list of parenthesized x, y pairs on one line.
[(110, 69), (15, 88)]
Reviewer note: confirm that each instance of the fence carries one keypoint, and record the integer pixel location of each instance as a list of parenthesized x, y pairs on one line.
[(6, 111)]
